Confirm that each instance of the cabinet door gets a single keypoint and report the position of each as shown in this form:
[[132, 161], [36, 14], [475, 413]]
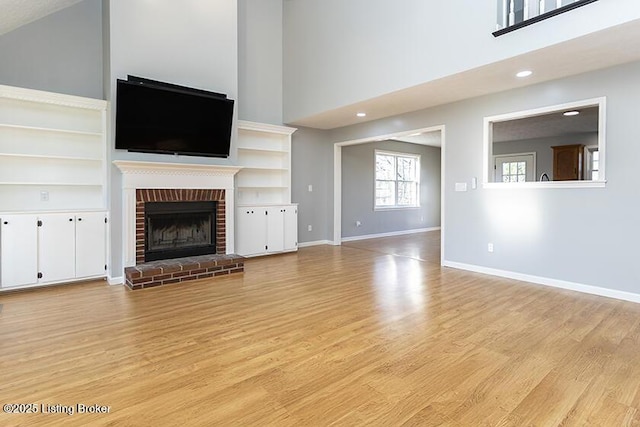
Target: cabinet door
[[56, 247], [567, 162], [290, 228], [18, 250], [251, 234], [91, 247], [275, 229]]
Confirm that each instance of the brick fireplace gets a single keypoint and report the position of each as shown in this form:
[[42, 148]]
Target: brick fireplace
[[144, 196], [146, 182]]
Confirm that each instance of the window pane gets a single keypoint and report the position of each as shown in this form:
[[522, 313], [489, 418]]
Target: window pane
[[521, 178], [505, 178], [522, 167], [513, 168], [385, 167], [406, 169], [407, 194], [505, 169], [594, 175], [596, 155], [385, 193], [397, 180]]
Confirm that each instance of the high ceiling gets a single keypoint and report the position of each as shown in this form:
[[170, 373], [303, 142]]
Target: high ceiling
[[15, 13], [613, 46], [602, 49]]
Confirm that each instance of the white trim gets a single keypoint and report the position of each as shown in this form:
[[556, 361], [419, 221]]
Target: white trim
[[142, 175], [389, 234], [265, 127], [115, 280], [547, 281], [70, 281], [33, 95], [487, 138], [131, 170], [314, 243], [545, 184], [337, 180]]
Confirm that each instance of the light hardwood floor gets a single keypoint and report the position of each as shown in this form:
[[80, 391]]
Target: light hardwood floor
[[370, 333]]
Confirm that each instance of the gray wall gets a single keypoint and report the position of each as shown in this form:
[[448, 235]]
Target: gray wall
[[542, 148], [311, 164], [260, 61], [60, 53], [358, 191], [583, 235]]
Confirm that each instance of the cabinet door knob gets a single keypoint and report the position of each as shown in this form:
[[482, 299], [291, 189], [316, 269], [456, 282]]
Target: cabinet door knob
[[70, 219], [79, 219], [6, 222]]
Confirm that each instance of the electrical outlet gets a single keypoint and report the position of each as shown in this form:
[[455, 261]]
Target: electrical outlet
[[490, 247], [44, 196], [358, 223], [309, 227], [310, 188]]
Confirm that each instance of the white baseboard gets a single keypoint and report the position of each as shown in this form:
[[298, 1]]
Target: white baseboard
[[546, 281], [115, 280], [390, 234], [315, 243]]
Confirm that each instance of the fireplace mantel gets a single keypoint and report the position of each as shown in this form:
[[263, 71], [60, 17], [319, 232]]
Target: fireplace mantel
[[154, 175]]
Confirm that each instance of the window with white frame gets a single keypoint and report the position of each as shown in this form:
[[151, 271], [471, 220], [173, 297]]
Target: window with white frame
[[397, 180], [593, 163]]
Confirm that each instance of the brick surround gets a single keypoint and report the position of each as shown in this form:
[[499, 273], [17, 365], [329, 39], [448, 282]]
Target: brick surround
[[164, 272], [180, 195]]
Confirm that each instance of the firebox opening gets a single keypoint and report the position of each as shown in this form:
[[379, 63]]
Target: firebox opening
[[179, 229]]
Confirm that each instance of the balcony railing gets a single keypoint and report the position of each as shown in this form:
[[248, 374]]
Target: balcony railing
[[514, 14]]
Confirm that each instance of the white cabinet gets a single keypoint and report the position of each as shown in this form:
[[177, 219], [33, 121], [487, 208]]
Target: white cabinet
[[52, 170], [52, 151], [266, 221], [91, 245], [51, 248], [18, 250], [264, 152], [262, 230], [56, 247], [291, 228], [275, 229]]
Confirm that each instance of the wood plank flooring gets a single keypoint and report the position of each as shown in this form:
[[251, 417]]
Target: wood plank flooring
[[373, 332]]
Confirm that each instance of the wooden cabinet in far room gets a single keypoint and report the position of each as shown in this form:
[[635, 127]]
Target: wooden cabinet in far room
[[568, 162]]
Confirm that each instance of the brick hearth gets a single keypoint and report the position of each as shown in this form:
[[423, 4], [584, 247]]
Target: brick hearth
[[179, 270]]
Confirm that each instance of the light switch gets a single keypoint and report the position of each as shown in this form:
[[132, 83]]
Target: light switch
[[474, 183], [461, 186], [310, 188]]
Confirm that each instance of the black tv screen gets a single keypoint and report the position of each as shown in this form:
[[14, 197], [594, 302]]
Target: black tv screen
[[156, 117]]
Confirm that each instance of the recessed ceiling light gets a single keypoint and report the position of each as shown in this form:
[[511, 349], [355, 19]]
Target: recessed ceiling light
[[415, 134], [524, 73], [571, 113], [361, 114]]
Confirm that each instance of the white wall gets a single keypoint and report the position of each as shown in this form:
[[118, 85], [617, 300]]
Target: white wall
[[188, 42], [341, 52]]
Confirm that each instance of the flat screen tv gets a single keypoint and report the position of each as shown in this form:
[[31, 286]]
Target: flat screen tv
[[157, 117]]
